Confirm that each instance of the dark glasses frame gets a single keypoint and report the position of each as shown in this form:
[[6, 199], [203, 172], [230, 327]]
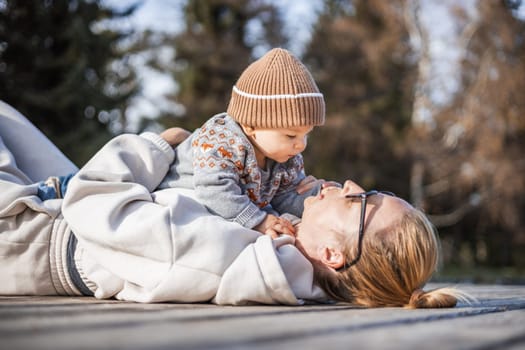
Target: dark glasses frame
[[363, 196]]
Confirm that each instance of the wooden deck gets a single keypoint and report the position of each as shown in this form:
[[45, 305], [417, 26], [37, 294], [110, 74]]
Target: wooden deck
[[495, 321]]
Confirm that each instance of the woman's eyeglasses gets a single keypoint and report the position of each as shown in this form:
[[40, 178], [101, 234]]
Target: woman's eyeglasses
[[363, 196]]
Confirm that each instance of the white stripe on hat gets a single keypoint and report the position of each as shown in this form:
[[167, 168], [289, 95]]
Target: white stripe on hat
[[274, 97]]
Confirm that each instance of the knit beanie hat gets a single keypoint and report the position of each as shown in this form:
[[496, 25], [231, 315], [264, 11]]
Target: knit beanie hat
[[276, 91]]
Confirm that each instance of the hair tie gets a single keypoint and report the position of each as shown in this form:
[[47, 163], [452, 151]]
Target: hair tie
[[416, 294]]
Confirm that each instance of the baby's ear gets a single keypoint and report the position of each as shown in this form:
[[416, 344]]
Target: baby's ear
[[248, 130], [332, 257]]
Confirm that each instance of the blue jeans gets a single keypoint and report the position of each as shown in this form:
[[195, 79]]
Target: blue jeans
[[54, 187]]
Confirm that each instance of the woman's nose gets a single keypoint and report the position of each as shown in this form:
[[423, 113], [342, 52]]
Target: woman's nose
[[351, 187]]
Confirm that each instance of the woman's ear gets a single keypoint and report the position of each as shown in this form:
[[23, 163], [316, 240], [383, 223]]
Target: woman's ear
[[331, 257]]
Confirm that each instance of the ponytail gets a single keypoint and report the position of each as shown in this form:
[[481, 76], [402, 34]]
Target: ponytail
[[437, 298]]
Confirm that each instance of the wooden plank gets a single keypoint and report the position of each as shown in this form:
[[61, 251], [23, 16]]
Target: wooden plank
[[482, 331], [62, 323]]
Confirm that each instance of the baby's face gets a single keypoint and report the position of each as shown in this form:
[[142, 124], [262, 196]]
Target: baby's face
[[280, 144]]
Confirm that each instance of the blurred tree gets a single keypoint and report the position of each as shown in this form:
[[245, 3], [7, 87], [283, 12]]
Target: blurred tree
[[215, 47], [358, 55], [65, 71], [472, 157]]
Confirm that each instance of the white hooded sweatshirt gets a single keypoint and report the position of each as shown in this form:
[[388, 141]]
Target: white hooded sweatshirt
[[141, 244]]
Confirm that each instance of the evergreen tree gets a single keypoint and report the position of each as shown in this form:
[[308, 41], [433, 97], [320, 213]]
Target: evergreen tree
[[64, 70]]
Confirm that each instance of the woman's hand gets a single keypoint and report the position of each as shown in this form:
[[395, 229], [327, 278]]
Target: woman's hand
[[275, 226], [310, 182], [174, 136]]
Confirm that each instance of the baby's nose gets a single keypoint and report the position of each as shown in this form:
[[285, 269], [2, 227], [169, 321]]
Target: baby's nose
[[301, 144]]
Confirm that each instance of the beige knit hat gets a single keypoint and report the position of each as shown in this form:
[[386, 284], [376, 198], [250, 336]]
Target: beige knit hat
[[276, 91]]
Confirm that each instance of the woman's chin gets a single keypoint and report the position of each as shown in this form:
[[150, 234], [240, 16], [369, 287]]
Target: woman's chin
[[308, 201]]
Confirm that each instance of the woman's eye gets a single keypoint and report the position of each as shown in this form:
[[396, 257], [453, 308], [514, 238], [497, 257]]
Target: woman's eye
[[290, 136]]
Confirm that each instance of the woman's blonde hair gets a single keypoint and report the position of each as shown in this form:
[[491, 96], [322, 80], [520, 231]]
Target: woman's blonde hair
[[394, 266]]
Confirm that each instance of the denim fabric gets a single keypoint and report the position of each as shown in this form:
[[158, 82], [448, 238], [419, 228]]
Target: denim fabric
[[46, 191]]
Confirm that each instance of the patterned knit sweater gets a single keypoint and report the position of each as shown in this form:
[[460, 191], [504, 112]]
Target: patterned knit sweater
[[219, 162]]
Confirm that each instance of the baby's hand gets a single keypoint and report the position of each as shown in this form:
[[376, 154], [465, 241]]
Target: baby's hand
[[175, 136], [274, 226], [310, 182]]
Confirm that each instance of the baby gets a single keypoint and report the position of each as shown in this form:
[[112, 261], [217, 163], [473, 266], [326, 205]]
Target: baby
[[246, 165]]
